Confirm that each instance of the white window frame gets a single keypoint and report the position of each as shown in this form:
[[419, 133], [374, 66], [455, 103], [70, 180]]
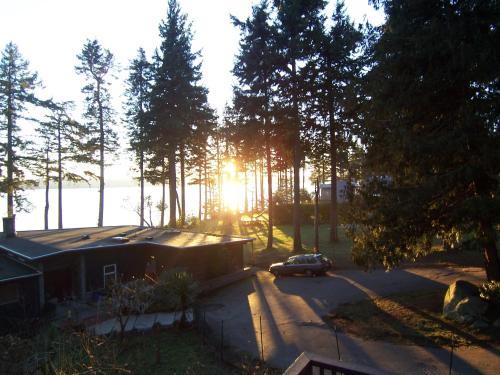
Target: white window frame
[[108, 273]]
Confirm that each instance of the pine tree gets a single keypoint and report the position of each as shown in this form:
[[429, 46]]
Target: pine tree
[[431, 133], [255, 68], [332, 74], [299, 25], [95, 65], [137, 108], [61, 144], [17, 90], [174, 91]]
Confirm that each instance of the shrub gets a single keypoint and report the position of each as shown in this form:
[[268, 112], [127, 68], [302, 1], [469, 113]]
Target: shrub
[[176, 289], [490, 292]]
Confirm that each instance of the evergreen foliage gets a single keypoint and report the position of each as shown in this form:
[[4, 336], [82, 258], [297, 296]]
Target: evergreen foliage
[[431, 132], [298, 24], [332, 75], [175, 93], [95, 65], [255, 68], [17, 91], [137, 107], [61, 143]]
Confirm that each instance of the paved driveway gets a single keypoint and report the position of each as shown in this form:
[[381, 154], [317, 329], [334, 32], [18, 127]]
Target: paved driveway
[[291, 308]]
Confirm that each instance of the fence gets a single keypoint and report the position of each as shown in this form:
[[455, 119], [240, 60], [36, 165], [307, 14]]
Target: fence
[[215, 333]]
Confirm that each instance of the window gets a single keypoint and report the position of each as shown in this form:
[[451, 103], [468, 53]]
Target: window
[[109, 274], [9, 293]]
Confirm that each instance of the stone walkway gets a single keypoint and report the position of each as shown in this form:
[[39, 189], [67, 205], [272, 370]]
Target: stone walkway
[[142, 322]]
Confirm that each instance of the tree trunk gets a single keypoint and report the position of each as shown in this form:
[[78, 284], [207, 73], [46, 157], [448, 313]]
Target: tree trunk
[[162, 205], [245, 206], [285, 182], [206, 187], [219, 174], [304, 176], [262, 199], [270, 205], [183, 186], [490, 252], [172, 182], [256, 185], [297, 240], [59, 177], [316, 215], [199, 194], [333, 179], [47, 187], [10, 157], [100, 219], [141, 178]]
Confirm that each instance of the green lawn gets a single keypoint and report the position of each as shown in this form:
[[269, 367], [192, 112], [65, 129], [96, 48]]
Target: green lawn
[[340, 251], [283, 239]]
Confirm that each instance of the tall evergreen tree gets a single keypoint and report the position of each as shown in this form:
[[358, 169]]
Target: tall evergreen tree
[[255, 68], [137, 108], [175, 77], [61, 142], [299, 25], [17, 90], [432, 133], [333, 73], [95, 65]]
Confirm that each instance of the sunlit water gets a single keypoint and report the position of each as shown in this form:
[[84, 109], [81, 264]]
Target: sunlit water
[[80, 207]]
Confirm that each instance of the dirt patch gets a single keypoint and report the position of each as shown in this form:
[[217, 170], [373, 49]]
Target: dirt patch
[[412, 319]]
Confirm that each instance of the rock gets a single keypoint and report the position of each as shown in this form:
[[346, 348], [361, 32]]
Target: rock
[[468, 310], [456, 292]]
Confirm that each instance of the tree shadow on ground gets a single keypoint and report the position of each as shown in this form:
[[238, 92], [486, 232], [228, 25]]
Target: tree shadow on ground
[[324, 294]]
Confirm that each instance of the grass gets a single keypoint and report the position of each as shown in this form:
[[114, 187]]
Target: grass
[[409, 318], [340, 251], [171, 352], [282, 239]]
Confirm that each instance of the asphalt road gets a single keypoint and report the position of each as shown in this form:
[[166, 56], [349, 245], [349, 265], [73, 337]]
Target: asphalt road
[[290, 309]]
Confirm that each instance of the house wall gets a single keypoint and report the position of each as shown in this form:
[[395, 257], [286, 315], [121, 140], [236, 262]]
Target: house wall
[[28, 303], [206, 262], [130, 263], [63, 273]]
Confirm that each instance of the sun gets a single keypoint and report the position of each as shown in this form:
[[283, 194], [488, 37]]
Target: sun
[[231, 187]]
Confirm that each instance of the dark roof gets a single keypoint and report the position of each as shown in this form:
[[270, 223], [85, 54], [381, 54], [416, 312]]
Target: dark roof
[[40, 244], [11, 269]]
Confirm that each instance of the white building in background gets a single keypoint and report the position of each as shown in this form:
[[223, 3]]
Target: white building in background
[[326, 189]]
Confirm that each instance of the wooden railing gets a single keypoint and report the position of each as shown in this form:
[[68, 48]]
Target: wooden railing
[[313, 364]]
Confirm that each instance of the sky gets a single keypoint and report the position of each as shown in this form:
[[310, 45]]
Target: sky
[[50, 34]]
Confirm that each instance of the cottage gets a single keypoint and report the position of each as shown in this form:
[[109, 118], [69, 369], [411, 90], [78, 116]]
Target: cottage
[[74, 263], [325, 191], [18, 288]]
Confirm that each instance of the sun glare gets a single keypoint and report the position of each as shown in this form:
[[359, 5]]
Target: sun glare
[[231, 188]]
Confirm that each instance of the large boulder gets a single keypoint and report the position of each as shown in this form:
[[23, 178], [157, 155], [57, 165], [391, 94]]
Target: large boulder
[[456, 292], [469, 310]]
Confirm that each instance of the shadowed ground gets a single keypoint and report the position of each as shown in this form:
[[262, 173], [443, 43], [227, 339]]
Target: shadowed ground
[[291, 310]]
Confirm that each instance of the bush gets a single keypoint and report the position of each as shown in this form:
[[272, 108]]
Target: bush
[[490, 292]]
